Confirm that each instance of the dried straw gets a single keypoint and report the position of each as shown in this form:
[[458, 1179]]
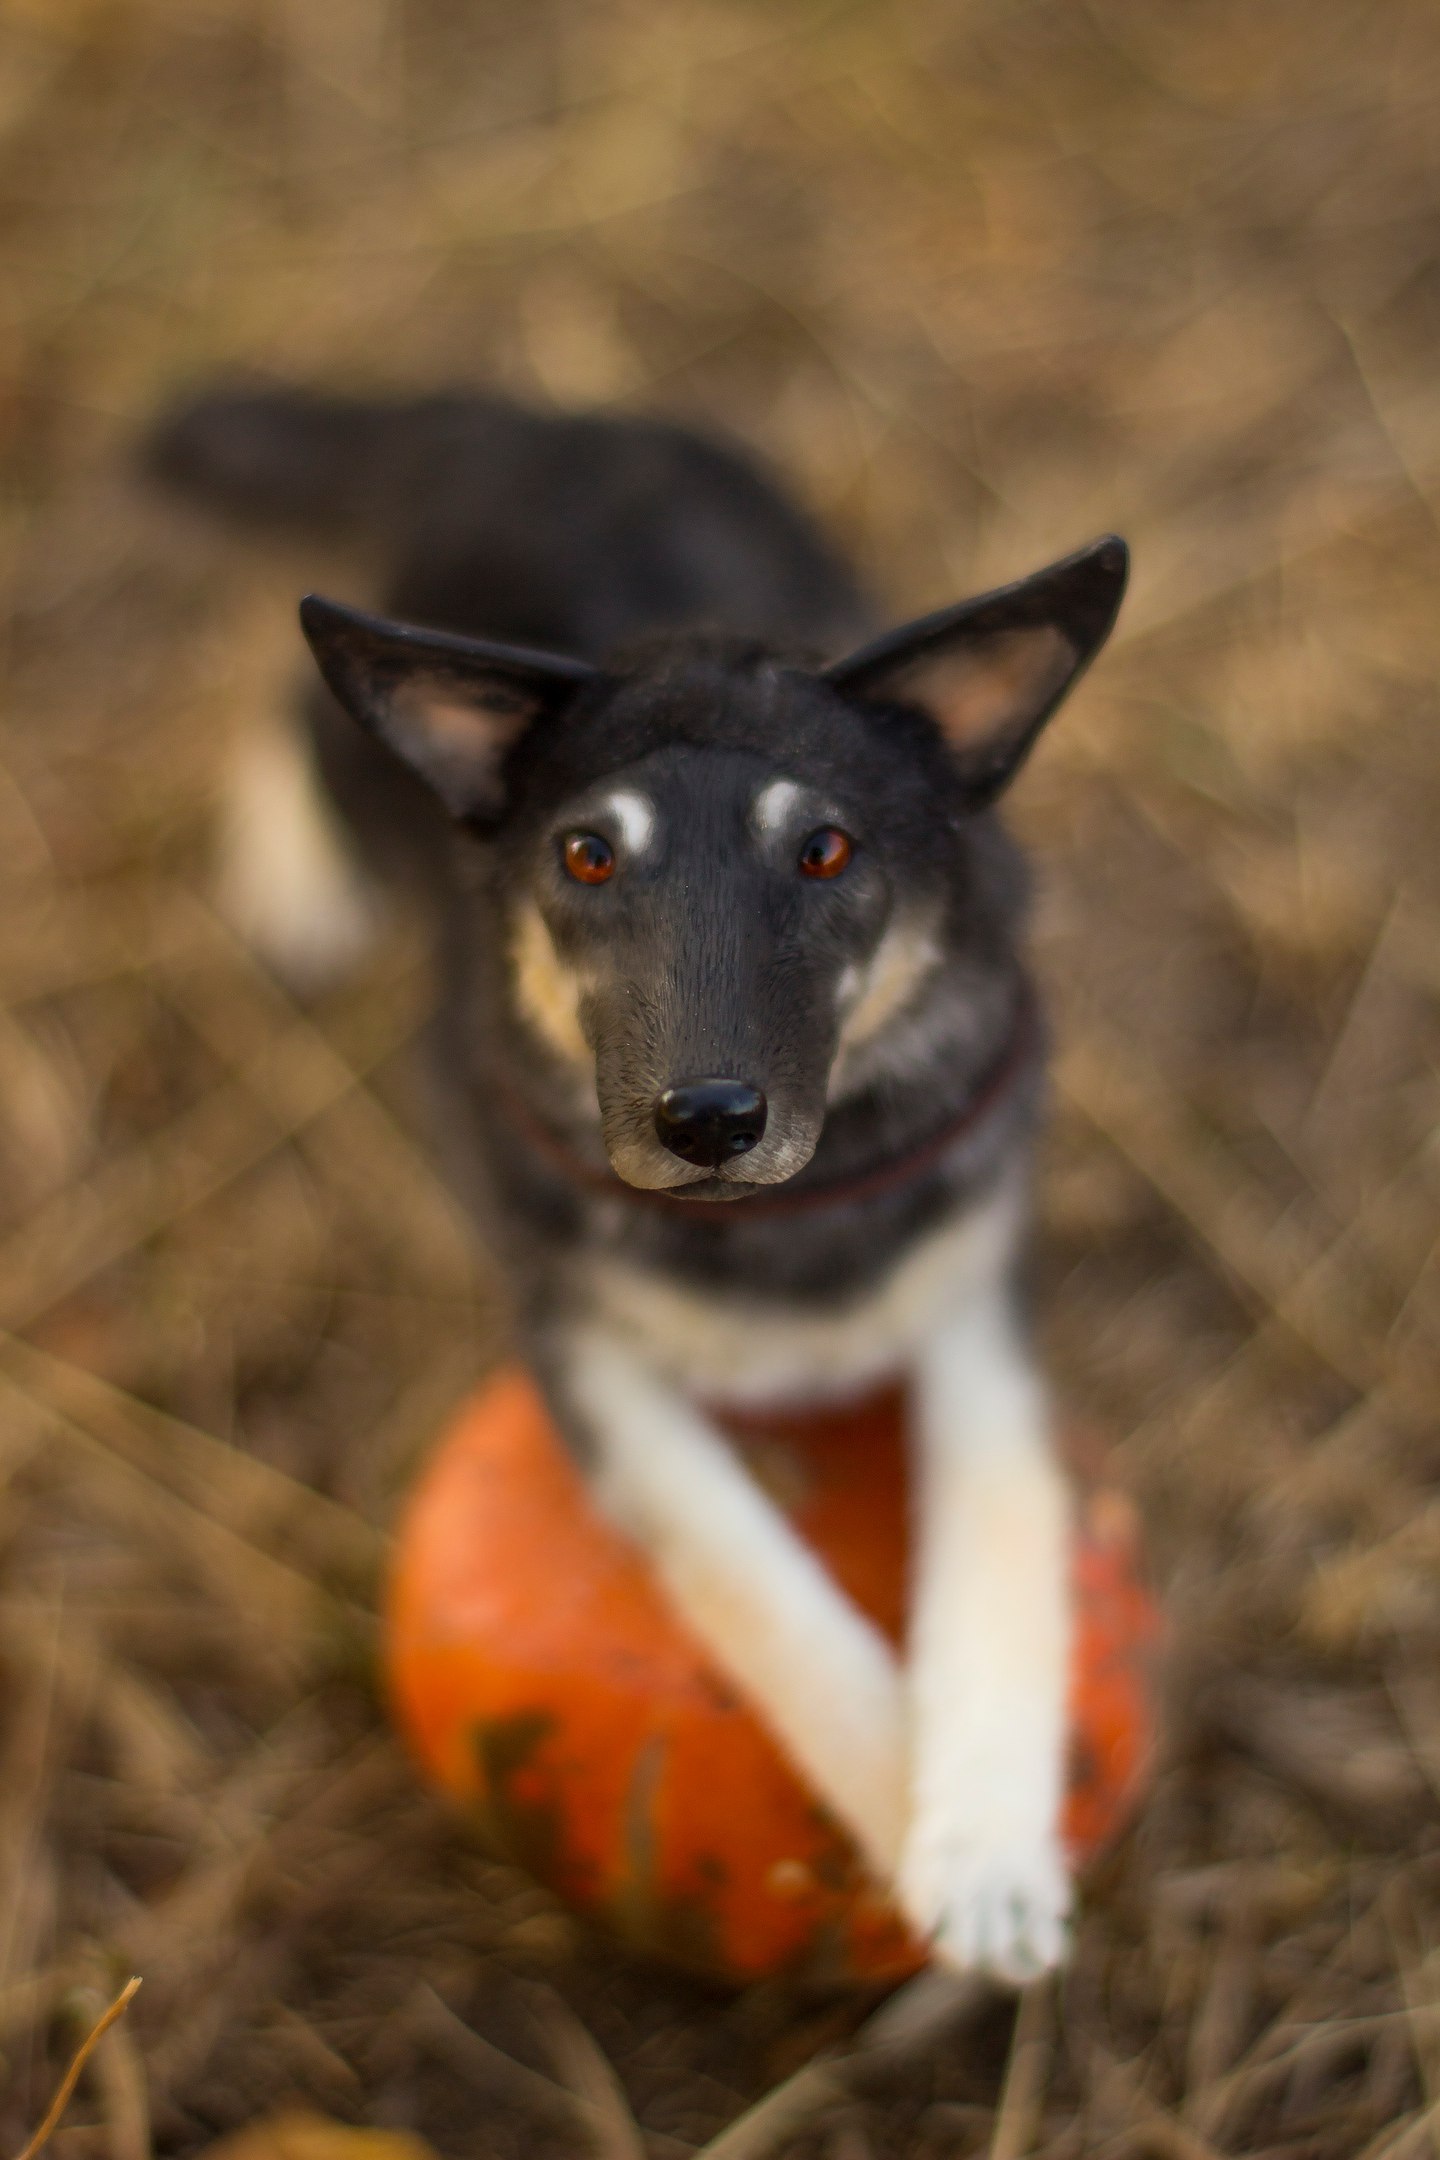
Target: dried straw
[[71, 2079]]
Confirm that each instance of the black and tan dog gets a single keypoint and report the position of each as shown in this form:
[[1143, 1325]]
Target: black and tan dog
[[739, 1054]]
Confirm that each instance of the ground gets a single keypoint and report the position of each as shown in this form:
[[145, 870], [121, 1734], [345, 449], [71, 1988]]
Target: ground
[[985, 278]]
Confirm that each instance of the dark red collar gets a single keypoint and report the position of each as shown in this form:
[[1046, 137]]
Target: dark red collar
[[884, 1177]]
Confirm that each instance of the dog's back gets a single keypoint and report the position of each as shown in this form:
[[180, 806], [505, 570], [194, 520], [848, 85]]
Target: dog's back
[[573, 532]]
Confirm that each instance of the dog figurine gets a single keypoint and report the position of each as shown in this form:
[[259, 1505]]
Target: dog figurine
[[738, 1058]]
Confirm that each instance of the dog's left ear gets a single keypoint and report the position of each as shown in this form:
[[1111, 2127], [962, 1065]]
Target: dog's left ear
[[450, 707], [991, 671]]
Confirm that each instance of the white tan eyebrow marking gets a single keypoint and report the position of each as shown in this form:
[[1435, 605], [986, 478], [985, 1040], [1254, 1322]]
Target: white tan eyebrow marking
[[773, 805], [635, 815]]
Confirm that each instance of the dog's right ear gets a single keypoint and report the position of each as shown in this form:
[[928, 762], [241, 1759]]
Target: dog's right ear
[[449, 706]]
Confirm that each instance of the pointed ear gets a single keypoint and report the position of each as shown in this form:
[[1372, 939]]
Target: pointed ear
[[991, 671], [449, 706]]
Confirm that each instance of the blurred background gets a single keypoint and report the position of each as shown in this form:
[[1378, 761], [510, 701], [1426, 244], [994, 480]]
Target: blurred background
[[984, 277]]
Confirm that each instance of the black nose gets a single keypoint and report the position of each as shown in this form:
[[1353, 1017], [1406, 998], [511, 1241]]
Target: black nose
[[709, 1121]]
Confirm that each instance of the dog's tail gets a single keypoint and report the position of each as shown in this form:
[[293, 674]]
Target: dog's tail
[[283, 458]]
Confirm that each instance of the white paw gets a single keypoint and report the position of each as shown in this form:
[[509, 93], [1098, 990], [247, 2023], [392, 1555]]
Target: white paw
[[985, 1903]]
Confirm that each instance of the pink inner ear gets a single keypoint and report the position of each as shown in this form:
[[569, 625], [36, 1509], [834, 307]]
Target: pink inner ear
[[455, 724], [1001, 682]]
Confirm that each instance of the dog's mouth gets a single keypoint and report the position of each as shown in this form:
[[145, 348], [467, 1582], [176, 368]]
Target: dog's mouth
[[774, 1162], [716, 1188], [648, 1171], [782, 1148]]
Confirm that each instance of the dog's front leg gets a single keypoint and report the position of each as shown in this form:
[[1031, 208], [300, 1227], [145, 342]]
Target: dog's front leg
[[983, 1873], [823, 1678]]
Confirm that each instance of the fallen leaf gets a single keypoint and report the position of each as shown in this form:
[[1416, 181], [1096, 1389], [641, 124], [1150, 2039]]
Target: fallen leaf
[[301, 2134]]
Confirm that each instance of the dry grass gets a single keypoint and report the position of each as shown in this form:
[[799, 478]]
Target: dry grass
[[985, 278]]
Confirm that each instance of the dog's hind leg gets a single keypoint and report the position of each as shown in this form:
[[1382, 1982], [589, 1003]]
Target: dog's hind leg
[[820, 1674], [287, 878]]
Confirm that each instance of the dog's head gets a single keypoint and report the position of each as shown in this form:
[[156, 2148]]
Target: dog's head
[[725, 876]]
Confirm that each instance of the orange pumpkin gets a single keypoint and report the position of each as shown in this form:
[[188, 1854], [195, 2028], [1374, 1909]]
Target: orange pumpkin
[[543, 1680]]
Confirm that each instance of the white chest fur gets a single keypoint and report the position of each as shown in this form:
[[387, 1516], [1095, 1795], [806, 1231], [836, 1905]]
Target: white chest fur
[[727, 1349]]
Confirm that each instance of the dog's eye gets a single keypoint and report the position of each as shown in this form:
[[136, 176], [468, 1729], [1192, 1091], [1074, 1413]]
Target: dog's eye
[[826, 852], [588, 858]]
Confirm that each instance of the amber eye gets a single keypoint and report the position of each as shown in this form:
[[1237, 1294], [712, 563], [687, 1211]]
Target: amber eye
[[826, 852], [588, 858]]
